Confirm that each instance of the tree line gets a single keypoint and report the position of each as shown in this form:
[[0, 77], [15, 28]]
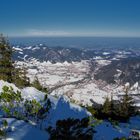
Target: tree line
[[11, 74], [117, 110]]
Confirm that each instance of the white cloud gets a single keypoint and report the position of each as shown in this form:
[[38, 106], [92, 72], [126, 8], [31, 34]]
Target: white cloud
[[57, 33], [35, 32]]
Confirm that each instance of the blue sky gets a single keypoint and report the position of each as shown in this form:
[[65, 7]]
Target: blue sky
[[70, 17]]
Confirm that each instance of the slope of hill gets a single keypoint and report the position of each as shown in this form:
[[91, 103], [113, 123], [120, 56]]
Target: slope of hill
[[20, 130], [61, 109]]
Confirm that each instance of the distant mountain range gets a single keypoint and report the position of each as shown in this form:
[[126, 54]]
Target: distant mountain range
[[54, 54], [124, 66], [61, 54]]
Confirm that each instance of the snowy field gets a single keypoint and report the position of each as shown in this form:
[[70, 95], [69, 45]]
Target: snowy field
[[51, 75], [76, 81]]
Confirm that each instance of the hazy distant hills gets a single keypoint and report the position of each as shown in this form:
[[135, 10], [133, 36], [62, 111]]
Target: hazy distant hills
[[61, 54], [54, 54]]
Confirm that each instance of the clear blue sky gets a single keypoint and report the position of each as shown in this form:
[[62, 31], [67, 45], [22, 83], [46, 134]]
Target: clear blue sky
[[70, 17]]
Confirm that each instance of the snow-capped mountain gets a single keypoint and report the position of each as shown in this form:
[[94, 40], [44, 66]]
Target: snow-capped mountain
[[42, 52]]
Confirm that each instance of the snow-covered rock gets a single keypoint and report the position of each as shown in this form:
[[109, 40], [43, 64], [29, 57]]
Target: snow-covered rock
[[17, 49], [31, 93], [106, 53], [63, 109], [135, 86]]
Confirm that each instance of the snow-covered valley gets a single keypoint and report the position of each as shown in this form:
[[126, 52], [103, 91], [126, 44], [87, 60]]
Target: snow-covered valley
[[74, 87], [76, 81]]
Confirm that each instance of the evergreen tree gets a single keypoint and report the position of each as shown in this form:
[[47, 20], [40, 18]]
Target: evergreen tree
[[5, 124], [107, 107], [7, 71], [35, 107], [109, 110], [37, 84], [120, 110], [127, 107], [20, 79], [32, 108], [6, 67], [71, 129]]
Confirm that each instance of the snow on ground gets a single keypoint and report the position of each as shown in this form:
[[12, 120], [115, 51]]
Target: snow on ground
[[88, 93], [3, 83], [51, 75], [24, 131], [63, 109], [106, 53], [31, 93], [97, 58], [24, 58], [103, 62], [28, 48], [17, 48], [85, 93], [20, 52], [105, 131], [33, 71], [62, 76], [28, 93], [120, 56]]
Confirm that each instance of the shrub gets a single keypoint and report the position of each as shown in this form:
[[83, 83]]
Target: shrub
[[71, 129]]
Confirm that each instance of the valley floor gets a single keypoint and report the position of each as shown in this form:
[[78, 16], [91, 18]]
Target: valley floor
[[76, 81]]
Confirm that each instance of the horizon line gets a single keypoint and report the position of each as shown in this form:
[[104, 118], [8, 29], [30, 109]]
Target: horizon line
[[76, 36]]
